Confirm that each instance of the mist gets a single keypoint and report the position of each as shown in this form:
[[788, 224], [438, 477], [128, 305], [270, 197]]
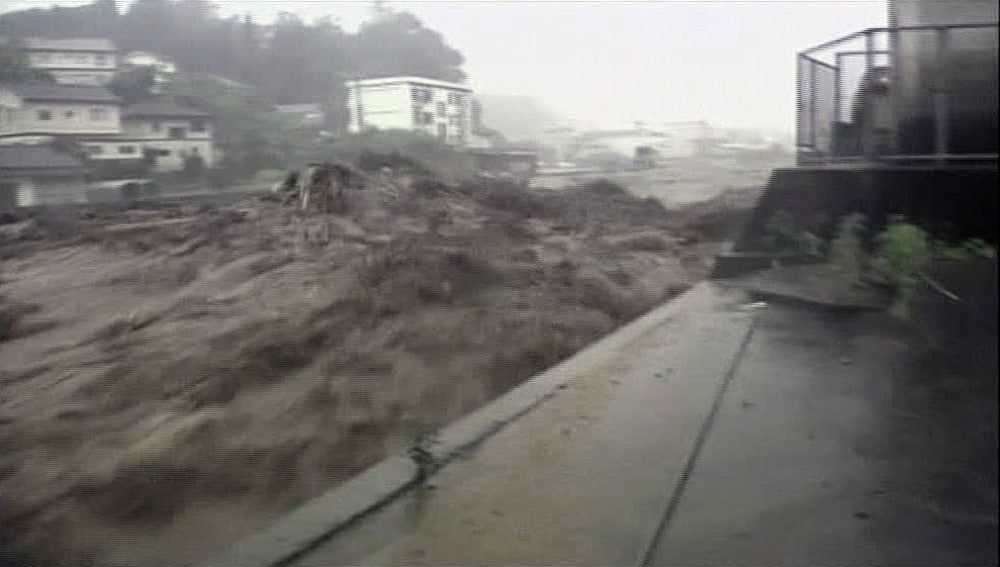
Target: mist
[[609, 64]]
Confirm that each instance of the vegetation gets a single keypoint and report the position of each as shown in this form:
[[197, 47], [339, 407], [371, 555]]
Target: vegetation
[[14, 66], [903, 251], [784, 236], [288, 62], [846, 256]]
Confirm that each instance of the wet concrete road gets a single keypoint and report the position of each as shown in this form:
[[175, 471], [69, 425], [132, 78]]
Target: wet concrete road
[[582, 479], [831, 446]]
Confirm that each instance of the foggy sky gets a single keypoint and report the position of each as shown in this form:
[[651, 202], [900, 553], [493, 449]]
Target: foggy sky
[[607, 64]]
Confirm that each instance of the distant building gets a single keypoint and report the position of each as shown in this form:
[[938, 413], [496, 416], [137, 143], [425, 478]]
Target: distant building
[[94, 118], [39, 174], [163, 130], [163, 69], [74, 61], [31, 111], [439, 108]]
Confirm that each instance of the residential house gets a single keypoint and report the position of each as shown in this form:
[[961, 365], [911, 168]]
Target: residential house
[[163, 69], [39, 174], [164, 130], [439, 108], [74, 61], [34, 112]]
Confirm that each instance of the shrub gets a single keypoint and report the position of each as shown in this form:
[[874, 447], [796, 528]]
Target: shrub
[[904, 249], [784, 236], [847, 255]]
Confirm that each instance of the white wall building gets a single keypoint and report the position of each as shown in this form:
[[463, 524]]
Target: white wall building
[[76, 61], [164, 130], [439, 108], [92, 116], [30, 111]]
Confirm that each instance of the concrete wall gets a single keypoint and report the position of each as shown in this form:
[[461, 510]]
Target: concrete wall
[[32, 191], [77, 118], [170, 154], [956, 201]]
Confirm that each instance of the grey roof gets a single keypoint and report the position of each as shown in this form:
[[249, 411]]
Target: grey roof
[[56, 92], [297, 108], [24, 156], [69, 44], [163, 109]]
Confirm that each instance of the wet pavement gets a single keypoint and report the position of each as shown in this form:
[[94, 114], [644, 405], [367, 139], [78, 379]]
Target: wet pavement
[[839, 438]]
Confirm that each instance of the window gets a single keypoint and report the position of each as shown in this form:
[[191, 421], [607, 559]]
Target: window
[[95, 150], [198, 125], [163, 153], [81, 58], [44, 114], [428, 118], [68, 114], [44, 57], [126, 150], [101, 60], [98, 114], [176, 133], [440, 109], [155, 126], [421, 96]]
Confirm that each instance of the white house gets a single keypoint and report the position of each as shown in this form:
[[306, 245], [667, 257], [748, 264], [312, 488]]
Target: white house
[[165, 130], [36, 113], [163, 69], [33, 111], [75, 61], [438, 108]]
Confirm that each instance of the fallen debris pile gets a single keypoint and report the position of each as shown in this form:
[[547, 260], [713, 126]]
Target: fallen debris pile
[[179, 375]]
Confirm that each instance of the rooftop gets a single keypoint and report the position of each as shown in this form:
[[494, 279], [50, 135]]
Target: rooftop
[[69, 44], [423, 81], [24, 156], [162, 109], [57, 92]]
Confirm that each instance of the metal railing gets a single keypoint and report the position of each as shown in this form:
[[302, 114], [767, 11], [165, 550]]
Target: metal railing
[[901, 94]]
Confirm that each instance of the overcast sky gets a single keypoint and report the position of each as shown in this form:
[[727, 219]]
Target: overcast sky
[[609, 63]]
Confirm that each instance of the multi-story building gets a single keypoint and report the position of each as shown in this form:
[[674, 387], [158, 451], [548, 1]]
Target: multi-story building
[[76, 61], [33, 111], [439, 108], [94, 118], [163, 130]]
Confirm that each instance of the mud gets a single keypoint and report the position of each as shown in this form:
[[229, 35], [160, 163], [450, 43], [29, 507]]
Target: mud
[[175, 376]]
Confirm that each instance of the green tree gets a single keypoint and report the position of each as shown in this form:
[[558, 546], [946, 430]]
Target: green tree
[[134, 84], [14, 67]]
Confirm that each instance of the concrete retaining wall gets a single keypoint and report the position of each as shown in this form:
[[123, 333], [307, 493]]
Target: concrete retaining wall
[[953, 201]]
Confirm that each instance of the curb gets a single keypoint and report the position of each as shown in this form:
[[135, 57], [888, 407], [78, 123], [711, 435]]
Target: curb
[[322, 517]]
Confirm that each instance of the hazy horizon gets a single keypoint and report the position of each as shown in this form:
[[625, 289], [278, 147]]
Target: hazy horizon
[[607, 64]]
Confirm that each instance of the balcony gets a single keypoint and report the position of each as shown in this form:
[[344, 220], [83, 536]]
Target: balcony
[[899, 95]]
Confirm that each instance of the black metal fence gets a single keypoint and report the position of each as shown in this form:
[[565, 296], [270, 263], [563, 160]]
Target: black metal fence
[[904, 93]]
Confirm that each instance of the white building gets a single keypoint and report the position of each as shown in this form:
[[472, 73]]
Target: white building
[[164, 130], [36, 111], [76, 61], [439, 108], [93, 117], [163, 69]]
